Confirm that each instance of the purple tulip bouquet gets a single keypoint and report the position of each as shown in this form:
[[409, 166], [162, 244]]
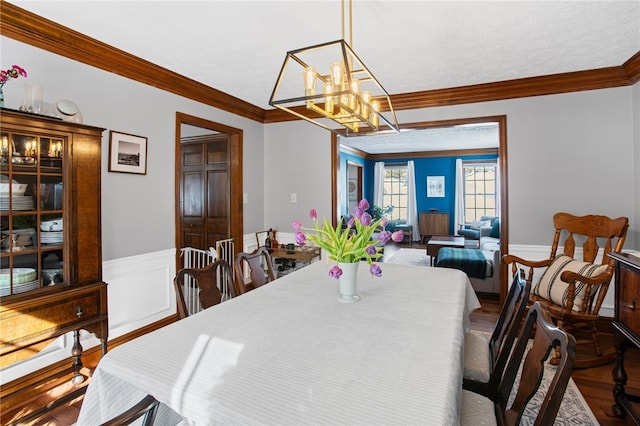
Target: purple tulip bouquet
[[351, 243]]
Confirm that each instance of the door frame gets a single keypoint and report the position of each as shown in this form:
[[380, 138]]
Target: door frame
[[236, 215]]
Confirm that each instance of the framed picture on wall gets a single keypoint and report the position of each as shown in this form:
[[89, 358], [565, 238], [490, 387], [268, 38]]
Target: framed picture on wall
[[435, 186], [127, 153]]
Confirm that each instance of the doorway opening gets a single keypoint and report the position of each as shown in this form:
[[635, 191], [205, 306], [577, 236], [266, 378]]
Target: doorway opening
[[208, 183], [500, 149]]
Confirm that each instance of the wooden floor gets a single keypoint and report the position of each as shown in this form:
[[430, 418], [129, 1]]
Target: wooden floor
[[595, 384]]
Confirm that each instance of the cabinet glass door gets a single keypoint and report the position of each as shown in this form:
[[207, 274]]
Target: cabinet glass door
[[32, 211]]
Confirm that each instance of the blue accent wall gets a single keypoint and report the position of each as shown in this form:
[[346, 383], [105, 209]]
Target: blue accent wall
[[431, 166]]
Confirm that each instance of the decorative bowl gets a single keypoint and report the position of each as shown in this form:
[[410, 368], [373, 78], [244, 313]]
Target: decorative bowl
[[51, 225]]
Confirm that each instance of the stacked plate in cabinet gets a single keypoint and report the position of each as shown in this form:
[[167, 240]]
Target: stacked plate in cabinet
[[51, 237], [20, 202], [51, 231], [24, 279], [14, 191]]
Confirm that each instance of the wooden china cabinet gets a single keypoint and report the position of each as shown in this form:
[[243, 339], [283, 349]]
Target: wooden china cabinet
[[51, 256]]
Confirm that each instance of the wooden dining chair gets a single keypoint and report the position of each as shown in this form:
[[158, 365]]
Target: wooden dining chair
[[485, 358], [478, 409], [573, 290], [258, 264], [145, 409], [201, 288]]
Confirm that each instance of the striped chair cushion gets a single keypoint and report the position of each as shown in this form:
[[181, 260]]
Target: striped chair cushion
[[552, 288]]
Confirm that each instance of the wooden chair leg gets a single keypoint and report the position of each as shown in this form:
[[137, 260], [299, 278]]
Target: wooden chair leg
[[594, 336]]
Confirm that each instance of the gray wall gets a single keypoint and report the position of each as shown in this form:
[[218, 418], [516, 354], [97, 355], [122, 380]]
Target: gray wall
[[577, 152]]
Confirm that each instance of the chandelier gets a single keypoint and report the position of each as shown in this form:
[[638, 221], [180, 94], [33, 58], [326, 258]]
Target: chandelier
[[328, 82]]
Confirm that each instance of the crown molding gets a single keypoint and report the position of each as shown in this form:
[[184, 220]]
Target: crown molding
[[27, 27], [632, 68], [431, 154]]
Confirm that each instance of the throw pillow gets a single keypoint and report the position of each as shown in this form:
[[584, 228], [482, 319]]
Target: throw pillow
[[495, 229], [477, 224], [552, 288]]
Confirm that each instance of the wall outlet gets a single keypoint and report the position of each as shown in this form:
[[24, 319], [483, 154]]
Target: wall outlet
[[245, 198], [294, 197]]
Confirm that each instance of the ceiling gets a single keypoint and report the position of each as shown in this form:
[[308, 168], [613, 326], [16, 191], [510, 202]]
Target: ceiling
[[239, 46]]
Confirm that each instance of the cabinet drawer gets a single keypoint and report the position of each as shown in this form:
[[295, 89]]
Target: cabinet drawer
[[629, 301], [19, 327]]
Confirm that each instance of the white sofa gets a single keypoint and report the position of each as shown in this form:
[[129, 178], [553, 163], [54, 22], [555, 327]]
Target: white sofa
[[491, 284], [489, 243]]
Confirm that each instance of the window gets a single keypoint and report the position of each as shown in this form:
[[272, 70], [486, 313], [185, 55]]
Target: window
[[395, 191], [480, 190]]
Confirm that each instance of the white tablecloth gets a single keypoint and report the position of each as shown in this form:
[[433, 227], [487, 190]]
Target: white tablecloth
[[290, 353]]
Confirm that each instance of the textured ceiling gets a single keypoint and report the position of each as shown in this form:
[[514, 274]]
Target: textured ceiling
[[467, 136], [239, 46]]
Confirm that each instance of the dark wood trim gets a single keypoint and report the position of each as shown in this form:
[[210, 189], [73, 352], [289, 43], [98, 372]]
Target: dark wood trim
[[428, 154], [518, 88], [632, 67], [504, 205], [37, 31]]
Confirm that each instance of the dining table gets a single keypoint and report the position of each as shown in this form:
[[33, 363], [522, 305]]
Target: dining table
[[290, 353]]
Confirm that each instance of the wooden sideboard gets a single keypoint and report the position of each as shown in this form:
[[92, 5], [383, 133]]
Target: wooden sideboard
[[433, 223], [626, 326]]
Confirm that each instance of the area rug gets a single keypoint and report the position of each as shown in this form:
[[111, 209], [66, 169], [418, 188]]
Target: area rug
[[407, 256], [574, 410]]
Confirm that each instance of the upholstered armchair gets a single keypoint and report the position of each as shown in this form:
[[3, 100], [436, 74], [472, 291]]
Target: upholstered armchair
[[485, 227]]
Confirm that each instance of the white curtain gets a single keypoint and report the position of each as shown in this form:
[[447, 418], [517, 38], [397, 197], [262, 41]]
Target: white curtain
[[458, 214], [378, 184], [412, 204]]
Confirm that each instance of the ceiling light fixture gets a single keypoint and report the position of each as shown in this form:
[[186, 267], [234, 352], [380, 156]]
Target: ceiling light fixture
[[346, 93]]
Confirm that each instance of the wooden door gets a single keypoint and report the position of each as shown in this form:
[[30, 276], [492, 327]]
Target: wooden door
[[205, 191]]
